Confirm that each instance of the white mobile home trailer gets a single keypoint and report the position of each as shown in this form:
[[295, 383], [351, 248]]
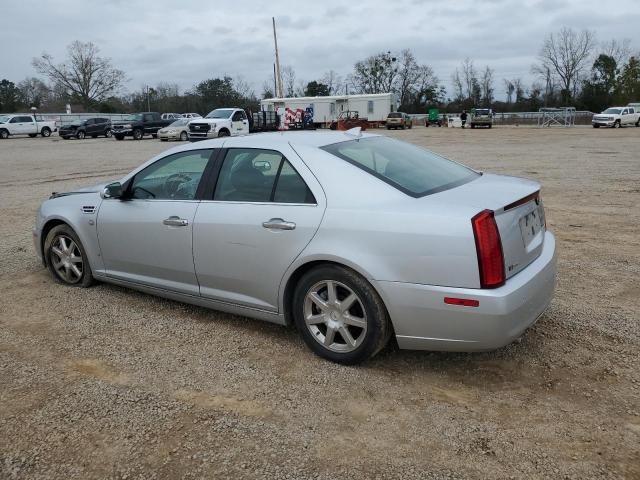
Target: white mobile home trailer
[[374, 107]]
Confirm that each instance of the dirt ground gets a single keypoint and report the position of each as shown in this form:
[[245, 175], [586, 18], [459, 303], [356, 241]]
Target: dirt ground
[[110, 383]]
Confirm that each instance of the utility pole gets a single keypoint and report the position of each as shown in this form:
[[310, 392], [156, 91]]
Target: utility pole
[[275, 82], [148, 103], [278, 76]]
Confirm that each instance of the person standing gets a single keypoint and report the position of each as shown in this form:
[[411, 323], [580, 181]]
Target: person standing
[[463, 117]]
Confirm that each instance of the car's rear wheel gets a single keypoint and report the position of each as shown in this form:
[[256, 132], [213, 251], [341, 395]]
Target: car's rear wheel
[[108, 133], [339, 315], [66, 258], [184, 137], [45, 132]]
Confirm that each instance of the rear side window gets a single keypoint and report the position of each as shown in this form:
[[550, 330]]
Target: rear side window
[[412, 170], [255, 175]]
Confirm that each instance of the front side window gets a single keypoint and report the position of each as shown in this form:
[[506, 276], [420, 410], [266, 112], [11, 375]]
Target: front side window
[[255, 175], [174, 177], [238, 116], [410, 169]]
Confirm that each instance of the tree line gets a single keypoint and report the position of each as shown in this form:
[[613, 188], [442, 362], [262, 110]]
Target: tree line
[[572, 69]]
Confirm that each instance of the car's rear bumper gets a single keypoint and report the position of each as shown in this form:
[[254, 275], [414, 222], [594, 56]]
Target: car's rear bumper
[[422, 321]]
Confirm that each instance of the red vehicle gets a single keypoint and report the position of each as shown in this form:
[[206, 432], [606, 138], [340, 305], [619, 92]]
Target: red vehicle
[[347, 120]]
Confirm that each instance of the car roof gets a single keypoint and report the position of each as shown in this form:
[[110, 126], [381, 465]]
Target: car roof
[[273, 139]]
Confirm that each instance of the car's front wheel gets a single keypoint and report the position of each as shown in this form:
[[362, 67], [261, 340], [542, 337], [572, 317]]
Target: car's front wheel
[[138, 134], [108, 133], [80, 134], [339, 315], [66, 258], [183, 136]]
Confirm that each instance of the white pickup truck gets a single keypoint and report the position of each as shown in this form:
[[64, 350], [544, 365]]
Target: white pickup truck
[[617, 117], [221, 122], [20, 124]]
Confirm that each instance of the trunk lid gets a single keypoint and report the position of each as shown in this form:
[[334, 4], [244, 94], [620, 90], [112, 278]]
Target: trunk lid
[[518, 212]]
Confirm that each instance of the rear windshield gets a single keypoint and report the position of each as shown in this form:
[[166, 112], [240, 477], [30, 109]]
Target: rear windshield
[[482, 112], [412, 170], [394, 115]]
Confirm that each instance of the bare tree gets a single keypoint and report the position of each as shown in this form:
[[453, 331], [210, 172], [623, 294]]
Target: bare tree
[[375, 74], [288, 80], [33, 92], [458, 90], [268, 89], [408, 71], [509, 89], [518, 88], [333, 81], [619, 51], [85, 74], [566, 54], [469, 77], [486, 83]]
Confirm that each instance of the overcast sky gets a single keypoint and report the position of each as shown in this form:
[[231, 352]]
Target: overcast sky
[[187, 41]]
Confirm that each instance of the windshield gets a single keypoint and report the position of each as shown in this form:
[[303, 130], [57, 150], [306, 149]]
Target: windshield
[[180, 123], [220, 113], [412, 170], [4, 118], [613, 111], [134, 117]]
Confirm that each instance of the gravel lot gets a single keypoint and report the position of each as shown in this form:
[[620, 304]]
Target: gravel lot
[[111, 383]]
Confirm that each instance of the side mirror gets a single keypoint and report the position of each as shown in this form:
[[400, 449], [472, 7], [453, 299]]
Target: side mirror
[[113, 190]]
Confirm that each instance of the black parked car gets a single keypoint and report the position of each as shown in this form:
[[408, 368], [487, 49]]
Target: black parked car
[[91, 127], [137, 125]]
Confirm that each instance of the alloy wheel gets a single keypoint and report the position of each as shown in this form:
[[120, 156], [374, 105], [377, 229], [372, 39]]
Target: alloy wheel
[[66, 259], [335, 316]]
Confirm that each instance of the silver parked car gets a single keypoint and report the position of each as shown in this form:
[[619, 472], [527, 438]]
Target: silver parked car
[[178, 130], [354, 238]]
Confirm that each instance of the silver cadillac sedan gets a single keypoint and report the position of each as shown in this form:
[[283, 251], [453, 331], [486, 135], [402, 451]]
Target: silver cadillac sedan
[[354, 238]]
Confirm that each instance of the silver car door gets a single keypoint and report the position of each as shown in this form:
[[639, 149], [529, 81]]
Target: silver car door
[[266, 208], [147, 237]]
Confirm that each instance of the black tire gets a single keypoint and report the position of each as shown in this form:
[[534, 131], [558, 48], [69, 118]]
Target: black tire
[[65, 231], [33, 135], [223, 133], [65, 137], [45, 132], [108, 133], [80, 135], [138, 134], [164, 139], [617, 124], [94, 136], [119, 137], [4, 134], [154, 135], [490, 125], [378, 330], [388, 128], [184, 136], [596, 126], [410, 126], [473, 125], [637, 123]]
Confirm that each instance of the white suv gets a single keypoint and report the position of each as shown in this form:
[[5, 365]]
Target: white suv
[[617, 117], [221, 122]]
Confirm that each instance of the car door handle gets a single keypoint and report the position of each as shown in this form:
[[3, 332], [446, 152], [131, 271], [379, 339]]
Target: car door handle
[[174, 221], [279, 224]]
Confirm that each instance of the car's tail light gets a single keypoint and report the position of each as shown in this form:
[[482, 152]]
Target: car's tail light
[[489, 250]]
